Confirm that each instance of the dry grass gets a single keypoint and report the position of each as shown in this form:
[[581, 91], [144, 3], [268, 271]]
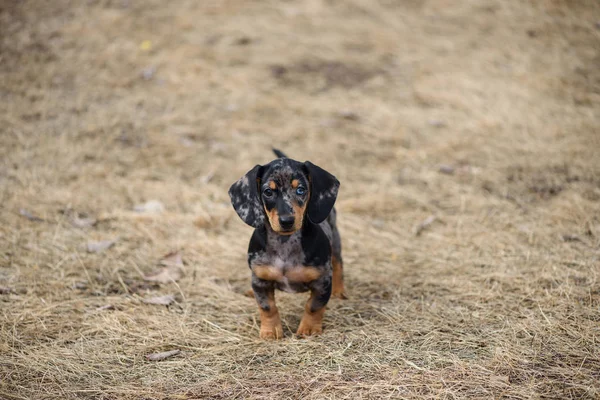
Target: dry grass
[[497, 298]]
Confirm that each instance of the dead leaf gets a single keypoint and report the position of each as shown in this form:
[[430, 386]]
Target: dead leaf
[[186, 141], [163, 355], [80, 285], [423, 225], [165, 275], [84, 222], [151, 207], [349, 115], [148, 72], [78, 219], [173, 258], [5, 290], [208, 177], [173, 269], [243, 41], [446, 169], [105, 307], [30, 216], [204, 221], [437, 123], [378, 223], [98, 247], [568, 237], [160, 300], [468, 170]]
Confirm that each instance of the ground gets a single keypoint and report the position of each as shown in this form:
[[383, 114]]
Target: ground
[[465, 135]]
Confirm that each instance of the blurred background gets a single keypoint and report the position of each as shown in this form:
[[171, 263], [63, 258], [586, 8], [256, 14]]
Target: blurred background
[[465, 135]]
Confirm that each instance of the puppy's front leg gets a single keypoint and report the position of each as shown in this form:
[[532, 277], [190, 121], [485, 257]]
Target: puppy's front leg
[[270, 323], [312, 321]]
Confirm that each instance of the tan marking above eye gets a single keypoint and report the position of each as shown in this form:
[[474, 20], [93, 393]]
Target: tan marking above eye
[[295, 183], [272, 185]]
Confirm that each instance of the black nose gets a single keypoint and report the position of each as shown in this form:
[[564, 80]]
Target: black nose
[[286, 221]]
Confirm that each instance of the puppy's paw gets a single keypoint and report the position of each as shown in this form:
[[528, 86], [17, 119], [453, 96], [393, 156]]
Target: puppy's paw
[[309, 329], [271, 332], [341, 294]]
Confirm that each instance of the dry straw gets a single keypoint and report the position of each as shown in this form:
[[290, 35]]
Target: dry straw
[[465, 135]]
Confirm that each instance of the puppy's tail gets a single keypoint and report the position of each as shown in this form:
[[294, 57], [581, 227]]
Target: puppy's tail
[[279, 153]]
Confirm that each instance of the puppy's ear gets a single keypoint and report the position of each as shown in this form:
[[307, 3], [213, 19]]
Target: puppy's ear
[[245, 200], [323, 192]]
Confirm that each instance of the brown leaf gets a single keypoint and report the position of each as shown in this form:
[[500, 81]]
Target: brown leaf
[[30, 216], [5, 290], [163, 355], [160, 300], [173, 269], [173, 258], [98, 247]]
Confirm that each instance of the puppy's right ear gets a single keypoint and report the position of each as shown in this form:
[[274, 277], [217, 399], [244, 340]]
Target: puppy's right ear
[[245, 200]]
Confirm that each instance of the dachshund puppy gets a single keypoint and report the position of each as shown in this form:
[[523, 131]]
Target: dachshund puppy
[[296, 246]]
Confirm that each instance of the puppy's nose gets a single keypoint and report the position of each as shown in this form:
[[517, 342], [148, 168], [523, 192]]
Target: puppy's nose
[[286, 221]]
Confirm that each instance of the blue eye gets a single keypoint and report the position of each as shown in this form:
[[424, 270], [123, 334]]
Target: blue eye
[[300, 191]]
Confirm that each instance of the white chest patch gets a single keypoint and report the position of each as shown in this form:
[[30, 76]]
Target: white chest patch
[[278, 263]]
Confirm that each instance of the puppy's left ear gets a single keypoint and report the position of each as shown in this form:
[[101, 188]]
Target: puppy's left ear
[[323, 192], [245, 200]]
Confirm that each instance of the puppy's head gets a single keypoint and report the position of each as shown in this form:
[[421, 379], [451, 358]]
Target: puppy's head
[[283, 192]]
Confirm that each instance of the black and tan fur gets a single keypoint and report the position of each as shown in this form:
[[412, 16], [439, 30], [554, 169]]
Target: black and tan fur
[[296, 246]]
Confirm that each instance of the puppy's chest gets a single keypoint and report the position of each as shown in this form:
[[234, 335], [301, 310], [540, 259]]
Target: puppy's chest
[[281, 255], [283, 262]]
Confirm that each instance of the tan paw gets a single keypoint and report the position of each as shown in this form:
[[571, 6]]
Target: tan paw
[[271, 332], [339, 295], [306, 329]]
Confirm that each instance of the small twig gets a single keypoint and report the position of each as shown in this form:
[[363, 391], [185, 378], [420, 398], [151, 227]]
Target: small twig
[[544, 315], [25, 213], [423, 225]]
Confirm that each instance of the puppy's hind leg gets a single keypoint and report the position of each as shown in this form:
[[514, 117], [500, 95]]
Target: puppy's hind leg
[[338, 290], [336, 260]]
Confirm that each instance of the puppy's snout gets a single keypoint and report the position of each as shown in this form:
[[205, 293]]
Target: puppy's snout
[[286, 221]]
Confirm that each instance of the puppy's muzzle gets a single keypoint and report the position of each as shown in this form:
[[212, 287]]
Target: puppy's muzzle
[[286, 222]]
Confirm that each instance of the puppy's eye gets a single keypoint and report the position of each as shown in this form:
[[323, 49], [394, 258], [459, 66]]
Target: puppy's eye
[[300, 191], [268, 193]]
